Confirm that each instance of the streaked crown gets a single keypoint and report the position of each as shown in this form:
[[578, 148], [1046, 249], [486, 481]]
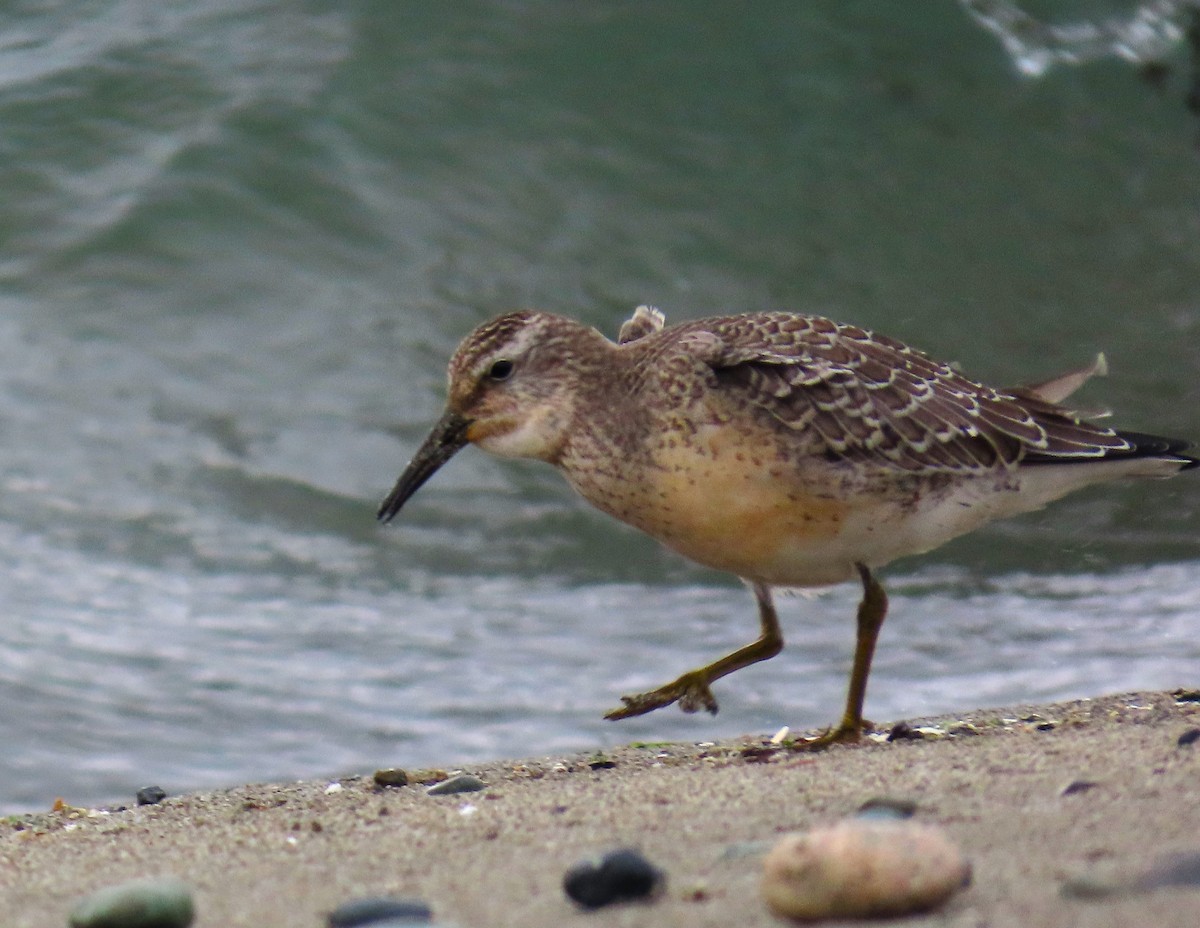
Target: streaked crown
[[516, 378]]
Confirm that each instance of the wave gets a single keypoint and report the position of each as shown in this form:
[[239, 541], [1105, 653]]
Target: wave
[[1146, 35]]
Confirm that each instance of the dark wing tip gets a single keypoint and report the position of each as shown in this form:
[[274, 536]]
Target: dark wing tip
[[1158, 446]]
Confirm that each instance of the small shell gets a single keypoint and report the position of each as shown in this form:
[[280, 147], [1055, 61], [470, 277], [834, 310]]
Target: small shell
[[862, 867]]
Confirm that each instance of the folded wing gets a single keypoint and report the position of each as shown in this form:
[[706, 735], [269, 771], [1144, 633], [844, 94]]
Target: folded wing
[[871, 398]]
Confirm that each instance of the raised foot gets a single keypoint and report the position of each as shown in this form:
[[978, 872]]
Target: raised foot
[[691, 691]]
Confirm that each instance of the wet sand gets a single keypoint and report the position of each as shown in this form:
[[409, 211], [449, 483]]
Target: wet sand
[[1035, 796]]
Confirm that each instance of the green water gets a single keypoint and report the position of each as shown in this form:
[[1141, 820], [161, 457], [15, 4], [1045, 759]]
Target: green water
[[240, 240]]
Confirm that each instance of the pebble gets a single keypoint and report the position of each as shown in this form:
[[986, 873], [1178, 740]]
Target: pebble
[[1191, 736], [887, 807], [463, 783], [862, 867], [151, 795], [618, 876], [402, 922], [1176, 870], [745, 849], [392, 776], [902, 731], [161, 902], [1091, 886], [378, 912], [1078, 786]]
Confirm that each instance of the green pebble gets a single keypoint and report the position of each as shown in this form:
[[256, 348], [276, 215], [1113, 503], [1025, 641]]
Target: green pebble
[[161, 902]]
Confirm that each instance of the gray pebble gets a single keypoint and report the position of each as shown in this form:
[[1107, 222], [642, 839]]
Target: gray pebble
[[406, 923], [1191, 736], [161, 902], [887, 807], [1078, 786], [380, 912], [1093, 886], [1176, 870], [463, 783]]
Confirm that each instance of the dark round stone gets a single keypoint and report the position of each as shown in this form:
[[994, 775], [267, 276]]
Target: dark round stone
[[151, 795], [902, 731], [619, 875], [1191, 736], [361, 912]]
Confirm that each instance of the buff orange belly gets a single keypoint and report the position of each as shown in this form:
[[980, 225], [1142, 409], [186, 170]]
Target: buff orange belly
[[746, 519]]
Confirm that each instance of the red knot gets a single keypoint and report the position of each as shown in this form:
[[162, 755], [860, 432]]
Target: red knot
[[787, 449]]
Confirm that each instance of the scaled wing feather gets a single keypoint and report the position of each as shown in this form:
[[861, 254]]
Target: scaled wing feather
[[871, 398]]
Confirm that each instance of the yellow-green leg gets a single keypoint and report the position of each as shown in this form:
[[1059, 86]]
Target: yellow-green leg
[[871, 613], [691, 690]]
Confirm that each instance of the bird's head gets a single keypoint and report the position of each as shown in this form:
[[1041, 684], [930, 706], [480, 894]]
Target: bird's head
[[513, 383]]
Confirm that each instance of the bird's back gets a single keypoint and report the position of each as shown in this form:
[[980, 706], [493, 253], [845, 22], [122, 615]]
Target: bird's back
[[786, 447]]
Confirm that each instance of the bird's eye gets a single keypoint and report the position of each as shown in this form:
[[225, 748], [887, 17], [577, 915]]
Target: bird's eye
[[501, 370]]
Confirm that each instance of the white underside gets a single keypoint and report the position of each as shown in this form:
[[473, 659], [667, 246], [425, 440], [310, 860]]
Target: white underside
[[876, 536]]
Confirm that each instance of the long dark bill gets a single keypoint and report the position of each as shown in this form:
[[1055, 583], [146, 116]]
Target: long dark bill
[[446, 439]]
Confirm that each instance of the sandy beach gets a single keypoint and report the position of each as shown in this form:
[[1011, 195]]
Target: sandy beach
[[1037, 796]]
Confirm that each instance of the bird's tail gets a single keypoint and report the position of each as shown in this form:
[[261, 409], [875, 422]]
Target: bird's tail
[[1156, 447]]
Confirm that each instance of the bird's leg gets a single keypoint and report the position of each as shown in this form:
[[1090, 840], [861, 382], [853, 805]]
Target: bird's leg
[[691, 690], [871, 613]]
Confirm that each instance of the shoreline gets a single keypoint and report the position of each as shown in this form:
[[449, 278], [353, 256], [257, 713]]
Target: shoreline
[[1034, 795]]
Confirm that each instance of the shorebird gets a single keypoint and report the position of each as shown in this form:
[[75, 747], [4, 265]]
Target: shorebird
[[790, 450]]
